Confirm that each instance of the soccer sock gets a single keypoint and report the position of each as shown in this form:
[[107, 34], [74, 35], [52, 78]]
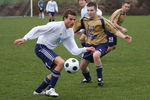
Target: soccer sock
[[87, 76], [43, 85], [53, 20], [99, 70], [49, 20], [55, 76]]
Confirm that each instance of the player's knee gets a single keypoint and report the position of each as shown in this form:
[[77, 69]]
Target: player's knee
[[61, 63], [96, 55]]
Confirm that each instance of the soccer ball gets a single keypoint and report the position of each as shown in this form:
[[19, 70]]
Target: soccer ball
[[71, 65]]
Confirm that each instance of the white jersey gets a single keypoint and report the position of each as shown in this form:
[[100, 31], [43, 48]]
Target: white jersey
[[84, 12], [54, 33], [52, 6]]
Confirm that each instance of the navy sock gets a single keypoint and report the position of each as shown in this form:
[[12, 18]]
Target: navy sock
[[43, 85], [87, 76], [99, 70], [55, 76]]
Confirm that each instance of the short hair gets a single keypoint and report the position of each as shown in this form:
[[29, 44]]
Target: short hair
[[84, 0], [69, 12], [128, 2], [90, 4]]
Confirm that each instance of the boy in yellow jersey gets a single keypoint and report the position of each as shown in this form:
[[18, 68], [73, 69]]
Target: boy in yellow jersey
[[96, 37], [117, 19]]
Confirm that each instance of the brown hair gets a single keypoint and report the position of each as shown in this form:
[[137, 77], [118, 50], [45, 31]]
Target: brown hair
[[69, 12], [90, 4]]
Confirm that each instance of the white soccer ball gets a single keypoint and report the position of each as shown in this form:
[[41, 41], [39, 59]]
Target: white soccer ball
[[71, 65]]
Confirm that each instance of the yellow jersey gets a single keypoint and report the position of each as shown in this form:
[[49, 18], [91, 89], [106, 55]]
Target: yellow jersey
[[118, 17], [95, 29]]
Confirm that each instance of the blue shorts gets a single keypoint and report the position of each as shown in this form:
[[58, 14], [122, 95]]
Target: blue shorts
[[101, 48], [111, 38], [51, 13], [46, 55]]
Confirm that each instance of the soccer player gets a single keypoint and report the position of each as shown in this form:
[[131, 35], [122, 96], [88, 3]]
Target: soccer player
[[41, 8], [117, 19], [83, 4], [96, 37], [51, 9], [50, 36]]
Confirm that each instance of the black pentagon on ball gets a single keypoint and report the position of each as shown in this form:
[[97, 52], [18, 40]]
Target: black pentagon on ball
[[67, 64], [73, 60], [75, 68], [68, 71]]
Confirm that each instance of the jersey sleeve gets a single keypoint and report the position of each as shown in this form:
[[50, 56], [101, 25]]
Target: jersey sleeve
[[38, 30], [72, 47], [110, 27], [115, 17]]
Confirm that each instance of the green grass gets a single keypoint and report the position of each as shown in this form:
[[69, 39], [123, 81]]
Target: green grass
[[126, 70]]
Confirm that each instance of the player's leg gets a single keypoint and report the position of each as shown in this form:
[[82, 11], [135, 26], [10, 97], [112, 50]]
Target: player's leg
[[47, 56], [100, 50], [86, 59], [99, 67], [50, 16], [53, 16], [55, 76]]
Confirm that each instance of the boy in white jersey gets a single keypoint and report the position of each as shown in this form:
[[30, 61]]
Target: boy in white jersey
[[50, 36], [51, 9]]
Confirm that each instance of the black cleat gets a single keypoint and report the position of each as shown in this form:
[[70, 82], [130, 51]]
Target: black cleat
[[86, 81], [100, 82]]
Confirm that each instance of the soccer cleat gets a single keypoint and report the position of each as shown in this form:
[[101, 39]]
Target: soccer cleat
[[100, 82], [86, 81], [51, 92], [41, 93]]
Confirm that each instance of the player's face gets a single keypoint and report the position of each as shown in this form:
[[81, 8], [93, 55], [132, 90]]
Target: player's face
[[91, 11], [126, 7], [82, 3], [70, 21]]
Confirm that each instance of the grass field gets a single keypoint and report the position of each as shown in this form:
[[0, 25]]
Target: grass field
[[126, 70]]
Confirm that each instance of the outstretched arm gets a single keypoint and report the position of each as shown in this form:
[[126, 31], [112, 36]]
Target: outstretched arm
[[123, 36], [19, 41]]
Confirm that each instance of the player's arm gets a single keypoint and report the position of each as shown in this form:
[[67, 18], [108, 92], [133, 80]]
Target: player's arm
[[110, 27], [114, 18], [35, 33], [72, 47], [124, 30]]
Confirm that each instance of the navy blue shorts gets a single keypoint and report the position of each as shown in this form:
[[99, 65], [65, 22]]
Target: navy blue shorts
[[101, 48], [111, 38], [51, 13], [46, 55]]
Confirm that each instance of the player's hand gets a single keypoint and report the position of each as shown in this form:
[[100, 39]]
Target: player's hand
[[128, 38], [90, 49], [124, 30], [19, 41], [78, 33]]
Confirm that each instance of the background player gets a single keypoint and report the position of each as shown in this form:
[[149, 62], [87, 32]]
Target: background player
[[51, 9], [117, 18], [41, 8]]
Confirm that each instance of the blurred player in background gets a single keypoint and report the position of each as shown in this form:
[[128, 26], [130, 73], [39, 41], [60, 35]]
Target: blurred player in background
[[50, 36], [96, 37], [117, 18], [51, 9], [41, 8]]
